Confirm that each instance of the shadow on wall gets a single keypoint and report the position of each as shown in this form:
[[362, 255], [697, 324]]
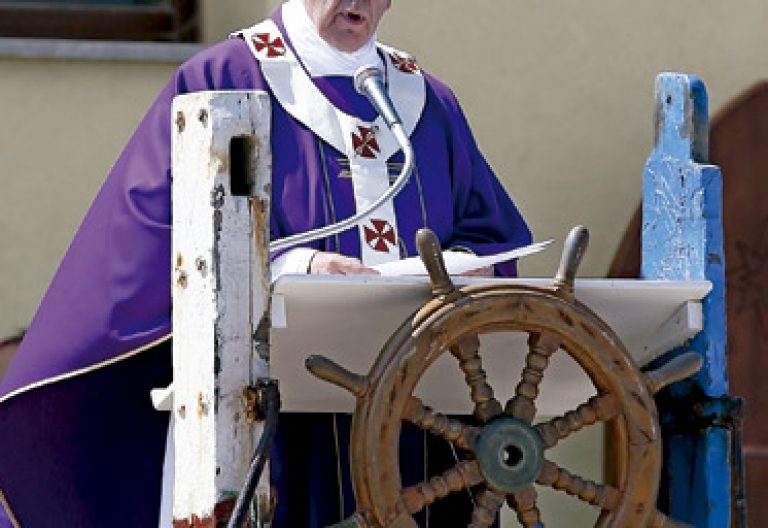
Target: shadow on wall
[[8, 348]]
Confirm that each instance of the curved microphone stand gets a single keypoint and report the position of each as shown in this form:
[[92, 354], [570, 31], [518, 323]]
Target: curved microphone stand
[[368, 82]]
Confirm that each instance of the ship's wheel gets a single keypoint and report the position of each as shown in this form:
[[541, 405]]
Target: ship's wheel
[[505, 450]]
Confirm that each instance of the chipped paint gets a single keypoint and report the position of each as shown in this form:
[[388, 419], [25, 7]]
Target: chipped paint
[[202, 405], [195, 522], [201, 265]]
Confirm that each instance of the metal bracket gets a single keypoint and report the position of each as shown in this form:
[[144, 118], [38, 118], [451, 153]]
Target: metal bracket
[[698, 413], [681, 326], [256, 400]]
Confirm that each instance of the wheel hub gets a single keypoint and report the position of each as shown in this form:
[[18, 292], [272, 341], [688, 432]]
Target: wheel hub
[[510, 454]]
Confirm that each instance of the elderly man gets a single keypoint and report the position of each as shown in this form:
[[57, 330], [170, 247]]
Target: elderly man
[[81, 444]]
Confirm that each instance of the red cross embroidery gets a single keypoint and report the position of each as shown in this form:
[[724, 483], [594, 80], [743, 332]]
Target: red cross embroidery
[[275, 48], [381, 237], [365, 144], [404, 64]]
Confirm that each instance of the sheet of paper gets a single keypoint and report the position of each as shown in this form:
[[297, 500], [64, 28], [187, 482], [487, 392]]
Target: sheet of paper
[[457, 262]]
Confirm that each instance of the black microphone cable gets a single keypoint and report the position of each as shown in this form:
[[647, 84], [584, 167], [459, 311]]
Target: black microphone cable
[[261, 455]]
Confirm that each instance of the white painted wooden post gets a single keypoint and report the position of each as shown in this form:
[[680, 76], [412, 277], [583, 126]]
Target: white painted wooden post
[[221, 181]]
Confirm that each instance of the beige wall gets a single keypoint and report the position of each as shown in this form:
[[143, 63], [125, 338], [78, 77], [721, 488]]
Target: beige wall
[[63, 125], [559, 94], [225, 16]]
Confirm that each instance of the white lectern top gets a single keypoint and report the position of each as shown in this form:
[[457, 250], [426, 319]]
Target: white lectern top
[[348, 319]]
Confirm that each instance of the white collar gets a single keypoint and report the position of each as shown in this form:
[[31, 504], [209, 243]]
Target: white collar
[[320, 58]]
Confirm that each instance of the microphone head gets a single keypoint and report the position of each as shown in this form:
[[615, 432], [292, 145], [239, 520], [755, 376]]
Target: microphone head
[[363, 74]]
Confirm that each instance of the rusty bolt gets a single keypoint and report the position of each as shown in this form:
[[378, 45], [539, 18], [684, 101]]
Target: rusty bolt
[[181, 122], [202, 405], [256, 400], [181, 275], [252, 405]]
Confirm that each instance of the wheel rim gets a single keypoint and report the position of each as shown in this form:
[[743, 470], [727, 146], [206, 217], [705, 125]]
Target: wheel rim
[[623, 401]]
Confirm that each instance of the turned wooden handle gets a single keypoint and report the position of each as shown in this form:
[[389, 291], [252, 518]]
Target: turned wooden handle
[[332, 372], [573, 251], [431, 255], [679, 368]]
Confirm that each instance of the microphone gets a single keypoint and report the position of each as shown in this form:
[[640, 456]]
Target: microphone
[[369, 81]]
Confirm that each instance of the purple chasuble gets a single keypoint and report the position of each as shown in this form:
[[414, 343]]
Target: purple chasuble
[[80, 444]]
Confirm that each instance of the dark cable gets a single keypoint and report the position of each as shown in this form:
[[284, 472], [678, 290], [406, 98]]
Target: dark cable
[[260, 456]]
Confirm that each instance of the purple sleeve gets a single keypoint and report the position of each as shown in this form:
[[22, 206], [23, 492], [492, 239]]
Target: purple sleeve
[[140, 184], [111, 292], [5, 522], [486, 220], [139, 234]]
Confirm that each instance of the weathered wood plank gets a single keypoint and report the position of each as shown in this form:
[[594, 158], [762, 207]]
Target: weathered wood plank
[[682, 239], [220, 293]]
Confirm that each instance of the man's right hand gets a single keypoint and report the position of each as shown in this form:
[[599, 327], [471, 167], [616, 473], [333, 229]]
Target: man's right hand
[[324, 262]]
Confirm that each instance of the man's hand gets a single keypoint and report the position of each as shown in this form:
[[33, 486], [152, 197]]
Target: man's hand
[[324, 262]]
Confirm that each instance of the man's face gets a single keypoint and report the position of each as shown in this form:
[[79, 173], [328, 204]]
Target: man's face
[[346, 24]]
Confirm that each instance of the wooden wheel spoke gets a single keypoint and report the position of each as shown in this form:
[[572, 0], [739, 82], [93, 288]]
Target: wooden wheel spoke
[[487, 508], [503, 458], [459, 434], [599, 408], [464, 475], [540, 347], [467, 352], [604, 496], [524, 503]]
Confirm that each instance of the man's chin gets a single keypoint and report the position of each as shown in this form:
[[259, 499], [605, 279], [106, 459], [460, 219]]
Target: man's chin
[[349, 45], [348, 37]]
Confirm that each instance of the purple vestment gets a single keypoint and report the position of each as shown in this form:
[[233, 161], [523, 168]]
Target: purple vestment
[[80, 444]]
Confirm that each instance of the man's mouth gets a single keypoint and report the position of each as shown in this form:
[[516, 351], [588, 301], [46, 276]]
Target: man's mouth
[[354, 18]]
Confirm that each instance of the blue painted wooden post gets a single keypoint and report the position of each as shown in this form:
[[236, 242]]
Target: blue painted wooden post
[[683, 239]]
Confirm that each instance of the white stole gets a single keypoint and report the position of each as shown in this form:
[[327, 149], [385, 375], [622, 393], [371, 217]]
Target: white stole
[[367, 145]]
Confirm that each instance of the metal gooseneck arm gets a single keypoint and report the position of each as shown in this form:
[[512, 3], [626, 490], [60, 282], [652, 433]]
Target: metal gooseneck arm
[[368, 82]]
